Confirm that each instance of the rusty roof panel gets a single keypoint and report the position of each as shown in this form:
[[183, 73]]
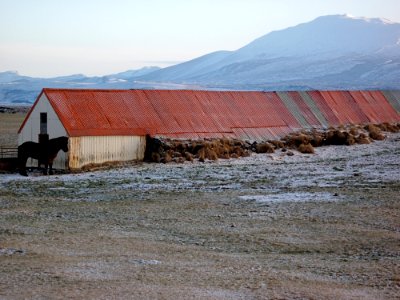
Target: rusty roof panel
[[324, 108], [293, 108], [335, 103], [365, 106], [320, 119], [389, 113], [278, 110], [394, 98], [355, 113], [305, 109]]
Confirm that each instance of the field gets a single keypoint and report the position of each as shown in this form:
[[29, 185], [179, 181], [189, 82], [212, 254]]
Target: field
[[269, 226], [9, 125]]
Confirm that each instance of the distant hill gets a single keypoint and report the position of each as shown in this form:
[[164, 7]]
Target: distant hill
[[330, 52], [15, 88]]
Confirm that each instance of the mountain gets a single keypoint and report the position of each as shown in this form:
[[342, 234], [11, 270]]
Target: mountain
[[330, 52], [18, 89]]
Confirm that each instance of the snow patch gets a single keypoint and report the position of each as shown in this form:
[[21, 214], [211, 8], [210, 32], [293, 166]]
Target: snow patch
[[291, 197]]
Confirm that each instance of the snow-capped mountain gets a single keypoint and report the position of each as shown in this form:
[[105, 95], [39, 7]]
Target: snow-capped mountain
[[330, 52]]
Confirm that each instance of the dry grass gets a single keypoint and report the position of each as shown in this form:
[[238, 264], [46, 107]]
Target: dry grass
[[306, 148], [123, 234], [304, 141], [265, 148], [185, 232], [9, 125]]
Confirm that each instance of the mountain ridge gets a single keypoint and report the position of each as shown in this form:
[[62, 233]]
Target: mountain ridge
[[329, 52]]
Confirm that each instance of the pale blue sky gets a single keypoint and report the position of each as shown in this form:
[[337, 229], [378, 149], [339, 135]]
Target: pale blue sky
[[97, 37]]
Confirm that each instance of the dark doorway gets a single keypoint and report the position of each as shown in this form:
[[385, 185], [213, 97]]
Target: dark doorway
[[43, 123]]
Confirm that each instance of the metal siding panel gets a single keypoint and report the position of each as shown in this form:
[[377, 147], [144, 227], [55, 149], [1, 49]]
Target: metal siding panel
[[278, 110], [205, 113], [394, 98], [293, 108], [331, 100], [356, 114], [306, 111], [387, 112], [100, 149], [367, 106], [314, 109], [337, 104], [324, 108]]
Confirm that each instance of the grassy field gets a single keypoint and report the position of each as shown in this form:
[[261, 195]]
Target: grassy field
[[269, 226], [9, 125]]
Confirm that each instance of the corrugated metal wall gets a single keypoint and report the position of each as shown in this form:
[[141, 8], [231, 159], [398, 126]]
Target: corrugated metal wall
[[100, 149]]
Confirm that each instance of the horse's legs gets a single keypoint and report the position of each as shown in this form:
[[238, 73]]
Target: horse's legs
[[22, 166], [45, 168], [50, 168]]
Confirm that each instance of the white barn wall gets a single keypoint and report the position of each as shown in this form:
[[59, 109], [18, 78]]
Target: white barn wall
[[87, 150], [31, 130]]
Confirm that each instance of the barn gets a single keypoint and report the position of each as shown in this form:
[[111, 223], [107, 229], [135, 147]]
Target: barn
[[111, 125]]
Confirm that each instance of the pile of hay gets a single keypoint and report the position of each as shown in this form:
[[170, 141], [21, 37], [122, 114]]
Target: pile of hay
[[179, 151]]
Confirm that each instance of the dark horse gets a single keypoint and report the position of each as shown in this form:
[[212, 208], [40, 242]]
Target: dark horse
[[44, 153]]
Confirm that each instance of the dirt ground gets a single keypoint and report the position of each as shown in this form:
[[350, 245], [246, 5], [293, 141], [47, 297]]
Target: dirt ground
[[269, 226]]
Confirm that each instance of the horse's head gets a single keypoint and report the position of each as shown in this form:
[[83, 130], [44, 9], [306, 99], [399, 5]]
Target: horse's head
[[64, 143]]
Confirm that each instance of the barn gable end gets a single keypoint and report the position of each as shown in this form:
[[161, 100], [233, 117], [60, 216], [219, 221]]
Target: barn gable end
[[30, 129]]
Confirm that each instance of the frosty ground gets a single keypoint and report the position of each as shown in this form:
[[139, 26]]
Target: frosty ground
[[266, 226]]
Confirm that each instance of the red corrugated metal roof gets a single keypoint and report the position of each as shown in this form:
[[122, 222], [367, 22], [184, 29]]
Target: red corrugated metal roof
[[207, 114]]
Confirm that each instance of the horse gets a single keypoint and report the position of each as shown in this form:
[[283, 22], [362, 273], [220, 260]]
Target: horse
[[44, 153]]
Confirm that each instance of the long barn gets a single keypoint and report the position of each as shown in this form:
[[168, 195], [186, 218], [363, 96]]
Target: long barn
[[111, 125]]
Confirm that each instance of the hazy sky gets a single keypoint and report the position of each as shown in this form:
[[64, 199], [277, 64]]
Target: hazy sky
[[98, 37]]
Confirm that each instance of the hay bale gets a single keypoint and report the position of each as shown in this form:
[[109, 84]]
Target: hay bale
[[335, 137], [375, 132], [353, 131], [210, 154], [195, 147], [378, 136], [306, 148], [350, 140], [167, 158], [202, 155], [238, 151], [265, 148], [224, 151], [246, 153], [296, 139], [188, 156], [277, 144], [155, 157], [234, 155], [388, 127], [176, 154], [317, 139], [178, 160], [362, 139]]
